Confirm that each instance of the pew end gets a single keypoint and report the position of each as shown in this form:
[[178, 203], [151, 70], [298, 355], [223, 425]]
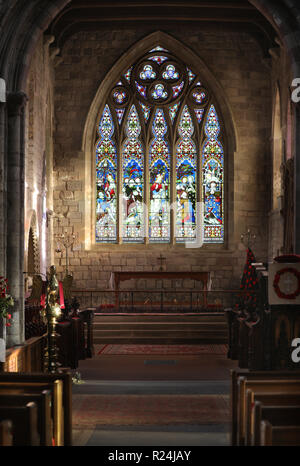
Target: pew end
[[6, 437]]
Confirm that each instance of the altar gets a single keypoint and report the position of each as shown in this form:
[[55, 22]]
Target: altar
[[118, 277]]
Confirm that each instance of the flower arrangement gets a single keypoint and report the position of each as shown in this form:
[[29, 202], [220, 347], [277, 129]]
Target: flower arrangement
[[6, 301]]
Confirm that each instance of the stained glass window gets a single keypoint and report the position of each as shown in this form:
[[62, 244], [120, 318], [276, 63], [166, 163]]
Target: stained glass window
[[186, 172], [173, 111], [106, 181], [159, 168], [212, 166], [159, 153], [133, 180]]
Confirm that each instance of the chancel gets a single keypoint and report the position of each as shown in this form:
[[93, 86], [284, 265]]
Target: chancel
[[150, 223]]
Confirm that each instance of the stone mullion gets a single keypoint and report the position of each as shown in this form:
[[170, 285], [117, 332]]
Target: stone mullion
[[15, 213], [3, 236]]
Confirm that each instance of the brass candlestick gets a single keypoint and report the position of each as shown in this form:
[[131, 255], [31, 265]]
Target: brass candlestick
[[66, 240], [50, 313]]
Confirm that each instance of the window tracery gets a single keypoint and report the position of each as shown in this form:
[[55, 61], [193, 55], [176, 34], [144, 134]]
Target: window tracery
[[160, 150]]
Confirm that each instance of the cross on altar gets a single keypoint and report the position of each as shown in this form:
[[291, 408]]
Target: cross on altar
[[161, 259]]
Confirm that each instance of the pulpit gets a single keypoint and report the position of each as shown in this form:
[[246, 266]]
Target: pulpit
[[265, 337]]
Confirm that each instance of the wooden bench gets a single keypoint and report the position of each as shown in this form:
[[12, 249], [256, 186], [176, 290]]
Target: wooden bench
[[44, 378], [250, 375], [6, 437], [260, 386], [24, 423], [277, 415], [43, 402], [266, 399], [55, 388], [279, 435]]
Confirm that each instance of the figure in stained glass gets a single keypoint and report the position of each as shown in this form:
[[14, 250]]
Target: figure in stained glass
[[159, 215], [156, 119], [186, 179], [106, 170], [213, 180], [133, 175]]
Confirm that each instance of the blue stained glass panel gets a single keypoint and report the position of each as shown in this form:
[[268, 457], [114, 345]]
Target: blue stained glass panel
[[142, 89], [159, 163], [146, 111], [173, 109], [199, 114], [133, 181], [158, 49], [127, 75], [158, 59], [212, 161], [106, 181], [186, 180]]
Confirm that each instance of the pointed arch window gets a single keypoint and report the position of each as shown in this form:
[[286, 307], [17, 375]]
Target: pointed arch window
[[159, 155]]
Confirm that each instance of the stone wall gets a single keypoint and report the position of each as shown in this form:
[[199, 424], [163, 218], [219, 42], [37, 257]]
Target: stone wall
[[38, 150], [282, 145], [236, 61]]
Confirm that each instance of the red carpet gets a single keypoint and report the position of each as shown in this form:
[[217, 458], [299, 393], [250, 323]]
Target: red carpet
[[160, 349], [92, 410]]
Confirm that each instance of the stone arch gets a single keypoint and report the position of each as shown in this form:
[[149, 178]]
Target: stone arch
[[277, 148], [33, 248], [19, 36], [222, 105]]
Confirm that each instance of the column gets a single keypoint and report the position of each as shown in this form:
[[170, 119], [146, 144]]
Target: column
[[2, 209], [15, 214]]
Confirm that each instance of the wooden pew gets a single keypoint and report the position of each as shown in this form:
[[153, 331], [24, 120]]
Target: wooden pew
[[261, 386], [266, 399], [235, 374], [24, 423], [65, 377], [279, 435], [6, 437], [55, 388], [43, 402], [277, 415]]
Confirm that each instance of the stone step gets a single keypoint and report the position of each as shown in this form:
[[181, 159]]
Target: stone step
[[159, 318], [161, 341], [165, 326], [160, 329], [143, 331]]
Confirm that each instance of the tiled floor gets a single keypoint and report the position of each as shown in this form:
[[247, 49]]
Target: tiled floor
[[192, 380]]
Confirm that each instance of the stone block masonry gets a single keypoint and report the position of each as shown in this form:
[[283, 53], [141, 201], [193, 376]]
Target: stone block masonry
[[236, 60]]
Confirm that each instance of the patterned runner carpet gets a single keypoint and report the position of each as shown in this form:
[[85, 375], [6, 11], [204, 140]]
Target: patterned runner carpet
[[95, 410], [160, 349]]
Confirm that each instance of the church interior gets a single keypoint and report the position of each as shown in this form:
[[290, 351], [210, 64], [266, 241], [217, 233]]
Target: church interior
[[149, 233]]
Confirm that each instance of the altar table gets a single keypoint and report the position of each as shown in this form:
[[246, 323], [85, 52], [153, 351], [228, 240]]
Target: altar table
[[118, 277]]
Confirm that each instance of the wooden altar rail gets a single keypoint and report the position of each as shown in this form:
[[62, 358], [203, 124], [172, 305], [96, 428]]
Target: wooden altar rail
[[194, 300]]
